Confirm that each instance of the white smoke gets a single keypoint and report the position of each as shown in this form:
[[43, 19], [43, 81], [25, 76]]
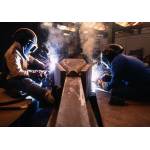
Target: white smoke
[[87, 37], [55, 39]]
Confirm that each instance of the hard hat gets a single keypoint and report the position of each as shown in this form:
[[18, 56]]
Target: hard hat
[[26, 37]]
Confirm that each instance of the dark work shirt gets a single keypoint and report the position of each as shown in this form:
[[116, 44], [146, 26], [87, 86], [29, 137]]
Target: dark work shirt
[[130, 70]]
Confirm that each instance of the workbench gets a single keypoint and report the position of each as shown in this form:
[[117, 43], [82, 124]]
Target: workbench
[[15, 114], [135, 114]]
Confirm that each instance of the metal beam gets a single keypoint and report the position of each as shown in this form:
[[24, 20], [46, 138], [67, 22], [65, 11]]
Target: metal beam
[[72, 110]]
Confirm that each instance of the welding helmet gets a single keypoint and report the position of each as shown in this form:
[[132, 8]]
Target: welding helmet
[[109, 52], [28, 40]]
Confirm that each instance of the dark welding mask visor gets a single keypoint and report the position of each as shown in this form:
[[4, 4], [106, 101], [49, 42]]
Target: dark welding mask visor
[[104, 62], [34, 47]]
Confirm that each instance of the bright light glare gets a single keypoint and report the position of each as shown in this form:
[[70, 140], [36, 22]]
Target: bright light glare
[[62, 27], [53, 60], [135, 23], [95, 72]]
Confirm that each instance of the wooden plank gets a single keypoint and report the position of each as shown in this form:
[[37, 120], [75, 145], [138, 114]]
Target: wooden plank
[[136, 114], [59, 75], [72, 110], [5, 98], [7, 117], [86, 74]]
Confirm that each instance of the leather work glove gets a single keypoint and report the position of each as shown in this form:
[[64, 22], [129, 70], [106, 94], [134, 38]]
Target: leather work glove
[[38, 74], [103, 84], [42, 74]]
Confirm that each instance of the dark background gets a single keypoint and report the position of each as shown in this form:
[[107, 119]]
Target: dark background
[[7, 29]]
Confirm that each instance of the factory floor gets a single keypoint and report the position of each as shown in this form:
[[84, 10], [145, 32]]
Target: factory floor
[[42, 115]]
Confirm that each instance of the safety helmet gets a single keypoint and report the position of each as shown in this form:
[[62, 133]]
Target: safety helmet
[[27, 38], [111, 48]]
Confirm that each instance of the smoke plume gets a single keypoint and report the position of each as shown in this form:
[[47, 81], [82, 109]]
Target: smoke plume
[[55, 39], [87, 38]]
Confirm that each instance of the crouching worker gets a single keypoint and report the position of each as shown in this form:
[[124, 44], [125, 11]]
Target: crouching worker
[[16, 78], [130, 77]]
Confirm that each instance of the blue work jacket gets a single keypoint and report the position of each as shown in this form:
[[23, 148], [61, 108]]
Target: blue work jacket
[[130, 70]]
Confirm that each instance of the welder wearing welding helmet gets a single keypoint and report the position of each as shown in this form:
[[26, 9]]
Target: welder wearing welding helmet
[[16, 77], [130, 76]]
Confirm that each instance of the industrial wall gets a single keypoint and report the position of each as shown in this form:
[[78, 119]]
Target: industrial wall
[[130, 42]]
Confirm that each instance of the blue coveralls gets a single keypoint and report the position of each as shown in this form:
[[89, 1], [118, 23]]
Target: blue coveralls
[[134, 73]]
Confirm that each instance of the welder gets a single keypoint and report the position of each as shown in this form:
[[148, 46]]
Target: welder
[[130, 77], [15, 77]]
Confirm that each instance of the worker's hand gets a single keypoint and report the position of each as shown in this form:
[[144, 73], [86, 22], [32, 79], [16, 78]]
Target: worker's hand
[[34, 74], [103, 84], [41, 74], [100, 82]]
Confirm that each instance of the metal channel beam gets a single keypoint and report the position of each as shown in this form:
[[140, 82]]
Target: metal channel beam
[[72, 111]]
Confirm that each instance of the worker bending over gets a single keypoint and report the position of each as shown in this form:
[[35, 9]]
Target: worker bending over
[[15, 77], [130, 76]]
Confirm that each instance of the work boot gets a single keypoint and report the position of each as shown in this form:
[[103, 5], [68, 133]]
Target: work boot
[[14, 93], [49, 98], [117, 101]]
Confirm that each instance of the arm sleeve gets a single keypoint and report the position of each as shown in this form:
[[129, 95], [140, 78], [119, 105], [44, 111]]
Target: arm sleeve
[[36, 63], [117, 74], [15, 67]]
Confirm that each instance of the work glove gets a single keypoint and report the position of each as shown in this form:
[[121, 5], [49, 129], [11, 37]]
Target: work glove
[[103, 84], [35, 74], [42, 74]]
